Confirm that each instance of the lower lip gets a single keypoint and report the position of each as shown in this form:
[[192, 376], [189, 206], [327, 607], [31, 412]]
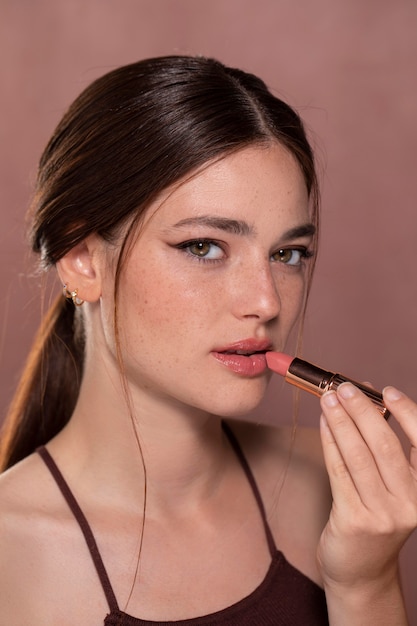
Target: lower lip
[[250, 366]]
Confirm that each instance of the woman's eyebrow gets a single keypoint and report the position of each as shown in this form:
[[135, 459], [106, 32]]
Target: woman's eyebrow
[[304, 230], [240, 227], [237, 227]]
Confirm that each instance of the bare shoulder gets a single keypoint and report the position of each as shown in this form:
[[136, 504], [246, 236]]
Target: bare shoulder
[[289, 468], [22, 495], [40, 546], [19, 489], [23, 499]]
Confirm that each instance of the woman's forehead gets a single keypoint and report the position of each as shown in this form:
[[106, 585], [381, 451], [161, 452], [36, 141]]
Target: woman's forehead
[[252, 179]]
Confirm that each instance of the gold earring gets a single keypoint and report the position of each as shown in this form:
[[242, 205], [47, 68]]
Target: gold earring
[[72, 295]]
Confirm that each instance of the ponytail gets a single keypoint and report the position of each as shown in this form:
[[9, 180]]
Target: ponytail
[[49, 386]]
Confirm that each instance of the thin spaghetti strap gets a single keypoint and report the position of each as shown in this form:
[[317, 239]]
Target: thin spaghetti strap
[[84, 525], [246, 468]]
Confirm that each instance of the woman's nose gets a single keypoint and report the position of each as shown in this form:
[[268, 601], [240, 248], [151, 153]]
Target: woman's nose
[[256, 294]]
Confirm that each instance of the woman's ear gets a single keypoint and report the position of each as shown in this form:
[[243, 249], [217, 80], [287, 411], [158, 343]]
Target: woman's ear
[[80, 269]]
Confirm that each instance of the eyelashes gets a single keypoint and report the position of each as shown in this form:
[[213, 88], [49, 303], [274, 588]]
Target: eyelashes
[[212, 251], [203, 249], [292, 256]]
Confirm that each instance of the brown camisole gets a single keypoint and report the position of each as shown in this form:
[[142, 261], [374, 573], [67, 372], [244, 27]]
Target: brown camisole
[[285, 597]]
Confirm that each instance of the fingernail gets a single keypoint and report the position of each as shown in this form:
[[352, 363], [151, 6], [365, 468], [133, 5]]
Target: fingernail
[[392, 394], [346, 390], [330, 399]]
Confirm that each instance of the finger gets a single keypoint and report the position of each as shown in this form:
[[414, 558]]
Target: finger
[[404, 411], [341, 484], [350, 465], [382, 442]]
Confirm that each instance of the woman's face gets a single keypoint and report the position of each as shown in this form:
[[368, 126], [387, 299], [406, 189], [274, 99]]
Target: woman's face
[[216, 278]]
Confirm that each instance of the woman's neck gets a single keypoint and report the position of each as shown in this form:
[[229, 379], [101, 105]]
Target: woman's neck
[[183, 449]]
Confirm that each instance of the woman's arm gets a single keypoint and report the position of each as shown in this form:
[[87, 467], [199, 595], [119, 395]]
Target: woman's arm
[[374, 488]]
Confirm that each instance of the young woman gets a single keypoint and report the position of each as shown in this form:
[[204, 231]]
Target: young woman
[[177, 200]]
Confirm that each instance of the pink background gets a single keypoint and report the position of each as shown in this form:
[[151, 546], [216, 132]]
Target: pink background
[[349, 67]]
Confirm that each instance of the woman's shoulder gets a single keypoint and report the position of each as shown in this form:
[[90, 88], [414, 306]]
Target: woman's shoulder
[[36, 538], [28, 506], [25, 494], [19, 485], [22, 499]]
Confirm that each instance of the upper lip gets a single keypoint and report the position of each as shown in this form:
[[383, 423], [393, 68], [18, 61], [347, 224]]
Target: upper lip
[[247, 346]]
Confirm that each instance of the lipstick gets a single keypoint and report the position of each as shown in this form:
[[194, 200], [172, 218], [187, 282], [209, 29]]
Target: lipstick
[[316, 380], [245, 357]]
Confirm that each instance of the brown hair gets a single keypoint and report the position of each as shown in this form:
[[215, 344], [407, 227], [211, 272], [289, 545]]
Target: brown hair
[[128, 136]]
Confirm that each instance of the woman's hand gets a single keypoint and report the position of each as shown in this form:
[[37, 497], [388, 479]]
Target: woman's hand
[[374, 488]]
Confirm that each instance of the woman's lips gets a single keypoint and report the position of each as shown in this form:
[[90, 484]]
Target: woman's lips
[[245, 365], [245, 357]]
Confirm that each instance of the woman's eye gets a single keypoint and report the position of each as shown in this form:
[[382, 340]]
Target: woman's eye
[[290, 256], [203, 249]]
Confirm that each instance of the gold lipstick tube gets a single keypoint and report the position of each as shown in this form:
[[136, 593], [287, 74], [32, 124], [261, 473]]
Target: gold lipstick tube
[[311, 378]]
